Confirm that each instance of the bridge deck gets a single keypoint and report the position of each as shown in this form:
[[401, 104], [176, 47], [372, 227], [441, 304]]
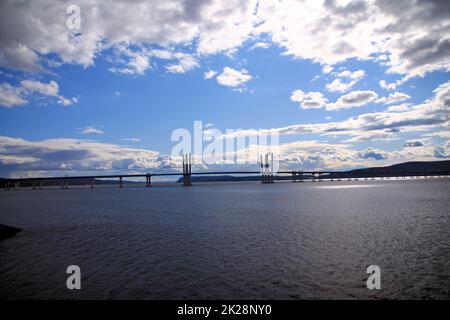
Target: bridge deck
[[143, 175]]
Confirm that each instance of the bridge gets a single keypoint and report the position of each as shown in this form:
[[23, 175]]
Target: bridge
[[266, 172]]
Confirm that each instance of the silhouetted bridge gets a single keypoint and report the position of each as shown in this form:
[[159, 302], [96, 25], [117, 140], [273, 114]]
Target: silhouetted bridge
[[266, 172], [266, 177]]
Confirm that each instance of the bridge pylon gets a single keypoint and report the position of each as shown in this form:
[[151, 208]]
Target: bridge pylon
[[187, 170], [267, 168]]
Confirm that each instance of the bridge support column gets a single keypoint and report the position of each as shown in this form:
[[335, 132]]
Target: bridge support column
[[64, 184], [92, 183], [16, 185], [120, 182], [41, 183], [187, 170], [297, 176], [148, 181], [187, 180]]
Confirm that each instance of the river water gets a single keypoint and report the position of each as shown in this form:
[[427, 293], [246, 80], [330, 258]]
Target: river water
[[230, 241]]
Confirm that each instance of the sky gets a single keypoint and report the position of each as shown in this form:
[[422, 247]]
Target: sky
[[100, 86]]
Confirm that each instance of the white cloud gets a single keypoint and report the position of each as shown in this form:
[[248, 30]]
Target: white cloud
[[58, 157], [91, 130], [371, 153], [135, 62], [399, 108], [414, 38], [432, 113], [11, 96], [261, 45], [185, 63], [310, 100], [345, 80], [388, 86], [327, 68], [411, 39], [209, 74], [51, 157], [393, 98], [18, 56], [48, 89], [233, 78], [131, 139], [16, 96], [353, 99]]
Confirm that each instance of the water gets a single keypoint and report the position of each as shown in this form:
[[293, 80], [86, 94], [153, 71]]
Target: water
[[230, 241]]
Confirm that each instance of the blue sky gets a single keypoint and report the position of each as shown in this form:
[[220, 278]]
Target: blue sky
[[108, 96]]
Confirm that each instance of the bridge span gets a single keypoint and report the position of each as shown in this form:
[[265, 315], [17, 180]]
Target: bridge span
[[296, 176], [266, 172]]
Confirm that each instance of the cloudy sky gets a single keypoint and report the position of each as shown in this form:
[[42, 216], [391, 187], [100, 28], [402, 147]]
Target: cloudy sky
[[345, 84]]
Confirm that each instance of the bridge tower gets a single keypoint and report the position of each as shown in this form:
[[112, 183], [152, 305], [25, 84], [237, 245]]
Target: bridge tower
[[187, 170], [267, 168]]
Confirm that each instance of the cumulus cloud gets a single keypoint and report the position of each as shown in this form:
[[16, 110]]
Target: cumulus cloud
[[345, 80], [17, 96], [69, 156], [413, 39], [432, 113], [393, 98], [11, 96], [233, 78], [389, 86], [316, 100], [184, 64], [371, 153], [58, 157], [310, 100], [137, 63], [353, 100]]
